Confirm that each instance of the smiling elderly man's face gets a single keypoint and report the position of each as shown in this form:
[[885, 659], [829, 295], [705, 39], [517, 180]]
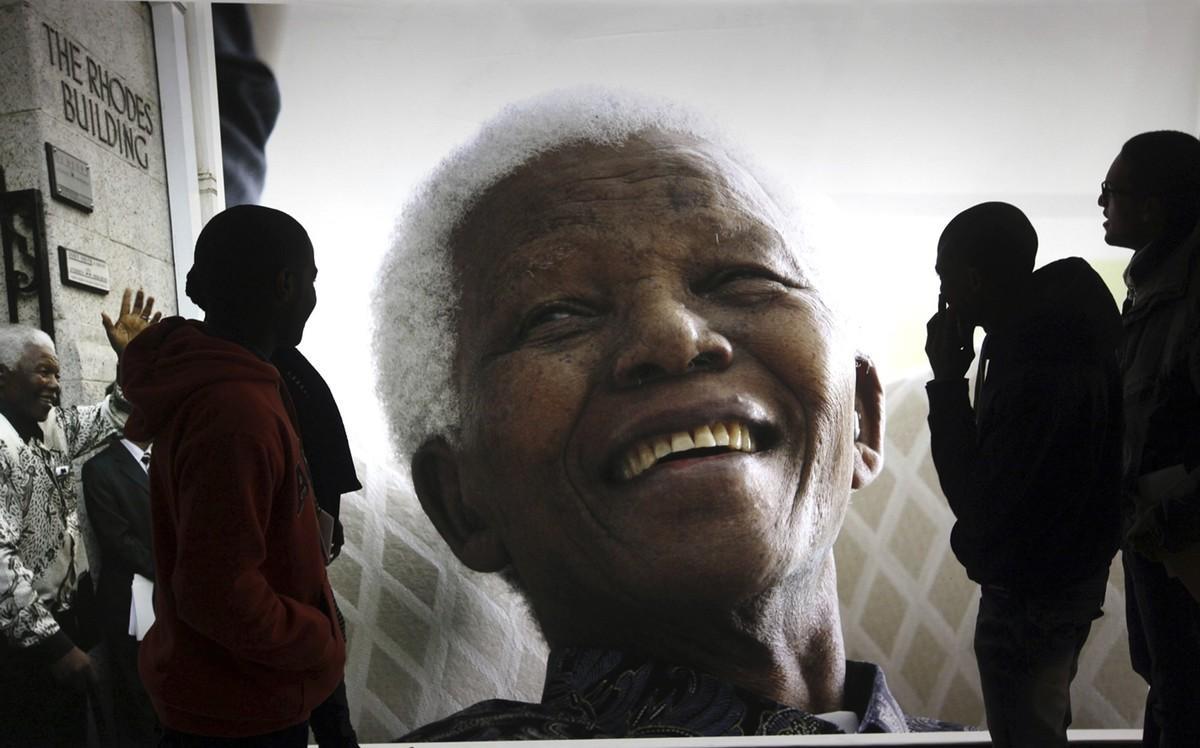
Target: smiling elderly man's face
[[30, 390], [657, 406]]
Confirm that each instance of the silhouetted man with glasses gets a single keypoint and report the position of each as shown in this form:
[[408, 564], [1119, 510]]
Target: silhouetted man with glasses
[[1151, 202]]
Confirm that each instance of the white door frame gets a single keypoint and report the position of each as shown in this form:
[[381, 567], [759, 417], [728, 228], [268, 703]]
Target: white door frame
[[191, 128]]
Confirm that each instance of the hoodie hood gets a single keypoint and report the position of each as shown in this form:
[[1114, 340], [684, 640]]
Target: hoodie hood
[[173, 360], [1068, 315]]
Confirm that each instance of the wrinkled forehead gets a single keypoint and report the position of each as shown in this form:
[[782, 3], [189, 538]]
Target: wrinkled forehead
[[37, 351], [585, 186]]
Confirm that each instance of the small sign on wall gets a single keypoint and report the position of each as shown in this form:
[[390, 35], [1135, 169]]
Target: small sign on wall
[[83, 271], [70, 178]]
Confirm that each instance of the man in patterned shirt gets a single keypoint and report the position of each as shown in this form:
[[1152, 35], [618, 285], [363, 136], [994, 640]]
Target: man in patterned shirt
[[42, 672]]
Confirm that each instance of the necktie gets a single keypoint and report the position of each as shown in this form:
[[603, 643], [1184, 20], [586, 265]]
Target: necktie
[[146, 460]]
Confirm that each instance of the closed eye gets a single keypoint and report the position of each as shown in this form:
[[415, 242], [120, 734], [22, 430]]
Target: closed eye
[[745, 281], [553, 320]]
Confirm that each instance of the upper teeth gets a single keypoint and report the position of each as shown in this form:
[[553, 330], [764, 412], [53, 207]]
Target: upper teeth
[[644, 454]]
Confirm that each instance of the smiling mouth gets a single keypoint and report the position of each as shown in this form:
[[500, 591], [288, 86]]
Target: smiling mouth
[[720, 437]]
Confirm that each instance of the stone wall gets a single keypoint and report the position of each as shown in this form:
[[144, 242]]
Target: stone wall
[[80, 75]]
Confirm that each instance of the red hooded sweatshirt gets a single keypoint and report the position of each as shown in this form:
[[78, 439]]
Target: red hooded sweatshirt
[[245, 641]]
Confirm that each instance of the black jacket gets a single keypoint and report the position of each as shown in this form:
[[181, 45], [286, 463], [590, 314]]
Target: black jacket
[[323, 434], [1161, 367], [1034, 478], [116, 490]]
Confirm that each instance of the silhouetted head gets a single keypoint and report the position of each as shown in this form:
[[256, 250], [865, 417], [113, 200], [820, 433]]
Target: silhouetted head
[[253, 273], [984, 255], [1152, 189]]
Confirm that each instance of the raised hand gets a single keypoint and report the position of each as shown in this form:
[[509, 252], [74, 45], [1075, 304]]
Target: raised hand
[[132, 319], [948, 346]]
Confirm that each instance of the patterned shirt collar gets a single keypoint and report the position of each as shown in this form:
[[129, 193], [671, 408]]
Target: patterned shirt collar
[[601, 693], [582, 675]]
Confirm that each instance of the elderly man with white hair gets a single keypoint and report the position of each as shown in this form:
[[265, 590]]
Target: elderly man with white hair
[[607, 352], [43, 671]]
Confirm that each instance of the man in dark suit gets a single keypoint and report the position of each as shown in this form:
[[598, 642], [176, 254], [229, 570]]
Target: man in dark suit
[[116, 488]]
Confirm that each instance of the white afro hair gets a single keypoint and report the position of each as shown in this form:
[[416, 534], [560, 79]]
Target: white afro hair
[[417, 297], [16, 339]]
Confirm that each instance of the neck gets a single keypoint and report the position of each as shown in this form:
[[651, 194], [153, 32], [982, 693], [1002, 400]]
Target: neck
[[25, 427], [784, 645], [1171, 236], [1006, 306], [260, 342]]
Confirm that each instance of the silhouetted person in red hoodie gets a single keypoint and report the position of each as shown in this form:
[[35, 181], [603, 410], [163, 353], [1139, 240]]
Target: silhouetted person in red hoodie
[[246, 641]]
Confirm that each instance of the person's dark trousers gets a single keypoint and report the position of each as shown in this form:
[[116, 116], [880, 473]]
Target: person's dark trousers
[[330, 720], [136, 724], [1164, 646], [295, 736], [34, 709], [1027, 648]]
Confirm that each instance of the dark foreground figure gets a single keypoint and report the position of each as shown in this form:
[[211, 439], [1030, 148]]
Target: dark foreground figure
[[621, 381], [246, 641], [1031, 470], [331, 466], [1151, 200]]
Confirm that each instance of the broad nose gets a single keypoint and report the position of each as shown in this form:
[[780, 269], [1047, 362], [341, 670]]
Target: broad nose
[[663, 339]]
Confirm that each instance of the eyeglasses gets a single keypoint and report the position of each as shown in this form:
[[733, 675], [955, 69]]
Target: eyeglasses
[[1107, 189]]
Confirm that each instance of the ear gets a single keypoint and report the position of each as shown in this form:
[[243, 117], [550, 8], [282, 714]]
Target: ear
[[974, 280], [1154, 211], [285, 284], [868, 405], [435, 478]]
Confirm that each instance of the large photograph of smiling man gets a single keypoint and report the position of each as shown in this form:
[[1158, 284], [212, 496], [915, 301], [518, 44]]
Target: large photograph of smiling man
[[609, 355]]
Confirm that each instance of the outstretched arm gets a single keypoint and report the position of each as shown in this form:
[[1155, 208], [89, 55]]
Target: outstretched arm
[[87, 427]]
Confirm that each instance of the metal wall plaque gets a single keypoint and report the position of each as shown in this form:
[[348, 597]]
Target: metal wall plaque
[[83, 271], [70, 178]]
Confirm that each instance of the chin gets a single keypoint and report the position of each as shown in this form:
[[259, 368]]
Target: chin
[[1115, 240]]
